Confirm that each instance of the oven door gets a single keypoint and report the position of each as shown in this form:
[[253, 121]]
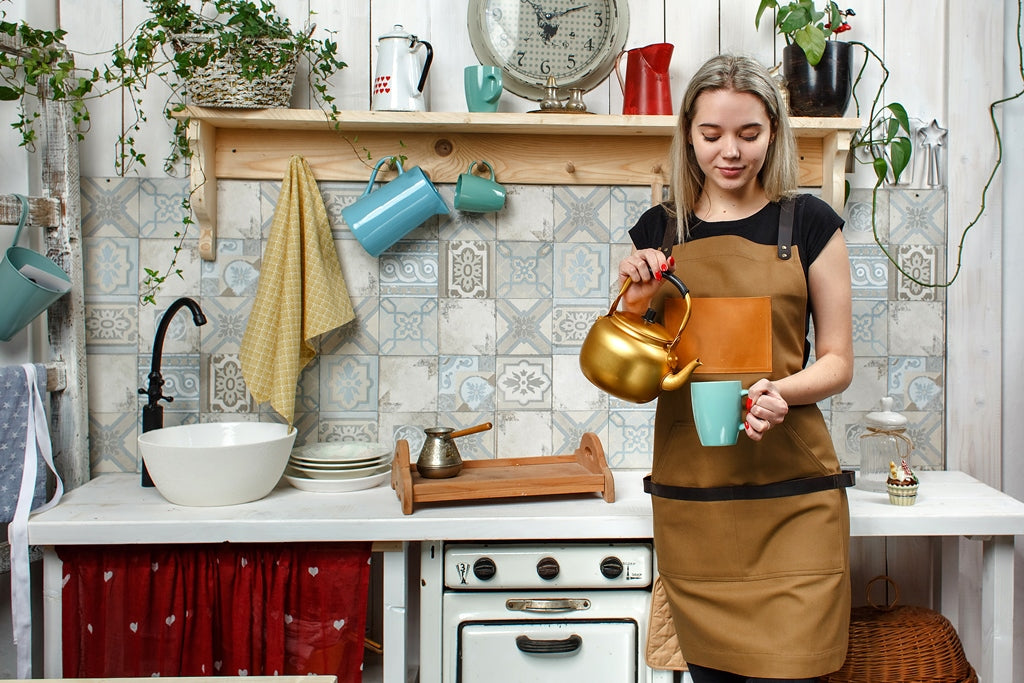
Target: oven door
[[596, 651]]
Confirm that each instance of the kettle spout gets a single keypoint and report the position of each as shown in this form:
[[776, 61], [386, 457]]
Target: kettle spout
[[677, 379]]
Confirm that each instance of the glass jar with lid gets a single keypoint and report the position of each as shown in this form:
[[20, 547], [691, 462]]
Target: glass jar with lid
[[884, 441]]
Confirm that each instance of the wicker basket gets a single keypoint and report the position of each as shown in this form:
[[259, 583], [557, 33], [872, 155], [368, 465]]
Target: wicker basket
[[905, 644], [222, 84]]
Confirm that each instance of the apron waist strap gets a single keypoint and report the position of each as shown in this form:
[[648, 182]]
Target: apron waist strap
[[780, 489]]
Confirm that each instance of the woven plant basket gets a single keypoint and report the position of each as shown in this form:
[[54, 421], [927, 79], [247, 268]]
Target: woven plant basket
[[222, 84], [905, 644]]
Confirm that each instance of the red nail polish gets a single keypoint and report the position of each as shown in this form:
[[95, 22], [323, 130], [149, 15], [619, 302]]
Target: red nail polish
[[750, 403], [664, 267], [671, 260], [657, 275]]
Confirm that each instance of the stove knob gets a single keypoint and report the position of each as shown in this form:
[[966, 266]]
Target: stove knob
[[547, 568], [484, 569], [611, 567]]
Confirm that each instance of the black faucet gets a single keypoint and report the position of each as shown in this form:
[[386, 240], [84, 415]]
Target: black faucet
[[153, 412]]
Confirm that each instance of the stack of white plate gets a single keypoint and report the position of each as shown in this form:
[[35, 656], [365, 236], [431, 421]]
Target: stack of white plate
[[337, 466]]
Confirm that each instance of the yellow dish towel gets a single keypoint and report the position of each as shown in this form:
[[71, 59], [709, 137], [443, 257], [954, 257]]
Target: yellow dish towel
[[301, 293]]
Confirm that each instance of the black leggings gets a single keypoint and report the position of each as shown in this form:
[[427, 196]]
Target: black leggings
[[702, 674]]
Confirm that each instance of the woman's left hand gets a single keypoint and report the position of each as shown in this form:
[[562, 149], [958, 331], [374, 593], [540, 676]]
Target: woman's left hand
[[765, 409]]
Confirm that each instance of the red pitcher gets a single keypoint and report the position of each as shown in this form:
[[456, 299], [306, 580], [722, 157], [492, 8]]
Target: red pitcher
[[646, 89]]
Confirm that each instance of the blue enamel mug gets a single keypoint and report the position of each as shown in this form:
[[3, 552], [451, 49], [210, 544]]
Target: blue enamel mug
[[381, 217]]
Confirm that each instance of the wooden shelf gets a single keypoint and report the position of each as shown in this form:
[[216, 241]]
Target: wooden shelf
[[530, 148]]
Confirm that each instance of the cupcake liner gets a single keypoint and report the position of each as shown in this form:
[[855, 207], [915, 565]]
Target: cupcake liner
[[902, 495]]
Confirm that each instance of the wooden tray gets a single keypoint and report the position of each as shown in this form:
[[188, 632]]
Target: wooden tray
[[584, 471]]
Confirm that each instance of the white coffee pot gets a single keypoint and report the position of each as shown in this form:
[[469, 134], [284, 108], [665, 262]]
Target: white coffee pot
[[398, 83]]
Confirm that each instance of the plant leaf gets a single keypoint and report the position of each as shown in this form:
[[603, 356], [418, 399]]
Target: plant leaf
[[812, 40], [765, 4], [900, 152], [901, 115], [881, 169], [9, 94]]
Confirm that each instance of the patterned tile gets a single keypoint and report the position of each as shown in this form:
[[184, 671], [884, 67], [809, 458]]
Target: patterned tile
[[408, 326], [921, 267], [181, 335], [570, 322], [307, 392], [479, 446], [917, 217], [113, 441], [226, 386], [226, 319], [350, 427], [466, 383], [916, 382], [568, 428], [523, 383], [408, 383], [111, 266], [627, 205], [523, 269], [926, 431], [581, 270], [157, 254], [869, 272], [409, 269], [361, 271], [467, 327], [110, 207], [870, 383], [236, 270], [160, 209], [858, 215], [870, 327], [631, 438], [467, 270], [181, 373], [464, 225], [358, 336], [112, 327], [348, 383], [523, 326], [582, 213]]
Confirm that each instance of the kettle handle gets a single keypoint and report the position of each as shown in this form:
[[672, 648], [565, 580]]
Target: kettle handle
[[426, 63], [622, 82], [373, 176], [649, 315]]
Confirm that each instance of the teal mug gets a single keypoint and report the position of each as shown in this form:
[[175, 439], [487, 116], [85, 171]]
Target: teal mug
[[30, 283], [717, 409], [483, 87], [478, 194], [381, 217]]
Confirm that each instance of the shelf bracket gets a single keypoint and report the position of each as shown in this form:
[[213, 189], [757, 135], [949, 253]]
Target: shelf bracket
[[203, 185]]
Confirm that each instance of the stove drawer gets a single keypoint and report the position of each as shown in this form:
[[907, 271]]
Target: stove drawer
[[602, 651]]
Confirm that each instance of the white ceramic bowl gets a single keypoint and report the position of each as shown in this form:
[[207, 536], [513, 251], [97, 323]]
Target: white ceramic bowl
[[219, 463]]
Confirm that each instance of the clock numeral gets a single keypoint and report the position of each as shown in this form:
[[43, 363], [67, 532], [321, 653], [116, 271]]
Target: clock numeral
[[545, 67], [598, 19], [570, 60], [519, 58], [496, 13], [589, 45]]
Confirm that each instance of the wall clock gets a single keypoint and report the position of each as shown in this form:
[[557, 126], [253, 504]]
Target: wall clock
[[576, 41]]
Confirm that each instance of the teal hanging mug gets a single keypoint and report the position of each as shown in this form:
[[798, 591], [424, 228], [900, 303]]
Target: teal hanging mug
[[479, 194], [30, 283], [381, 217]]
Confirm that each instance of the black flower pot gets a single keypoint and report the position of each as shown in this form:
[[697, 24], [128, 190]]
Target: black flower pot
[[821, 90]]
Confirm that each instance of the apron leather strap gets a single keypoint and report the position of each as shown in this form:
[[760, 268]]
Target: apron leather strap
[[780, 489], [786, 228]]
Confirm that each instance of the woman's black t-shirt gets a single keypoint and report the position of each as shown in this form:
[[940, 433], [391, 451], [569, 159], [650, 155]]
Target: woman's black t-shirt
[[814, 223]]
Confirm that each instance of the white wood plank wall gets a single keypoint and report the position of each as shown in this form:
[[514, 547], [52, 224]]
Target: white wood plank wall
[[948, 62]]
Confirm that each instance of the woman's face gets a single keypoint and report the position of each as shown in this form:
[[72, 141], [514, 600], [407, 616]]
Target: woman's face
[[730, 133]]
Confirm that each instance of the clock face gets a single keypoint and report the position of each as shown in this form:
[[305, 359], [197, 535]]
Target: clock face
[[576, 41]]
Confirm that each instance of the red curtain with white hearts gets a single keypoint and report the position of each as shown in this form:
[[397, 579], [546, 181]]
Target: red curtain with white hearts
[[208, 610]]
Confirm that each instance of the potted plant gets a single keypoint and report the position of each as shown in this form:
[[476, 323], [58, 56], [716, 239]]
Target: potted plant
[[818, 71]]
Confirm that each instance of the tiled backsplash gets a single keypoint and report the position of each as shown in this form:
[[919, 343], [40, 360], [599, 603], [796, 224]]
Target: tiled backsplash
[[473, 318]]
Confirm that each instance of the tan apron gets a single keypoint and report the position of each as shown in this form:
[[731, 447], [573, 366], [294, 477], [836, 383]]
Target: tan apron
[[757, 587]]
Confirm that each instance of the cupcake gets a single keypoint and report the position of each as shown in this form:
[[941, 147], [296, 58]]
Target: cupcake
[[902, 484]]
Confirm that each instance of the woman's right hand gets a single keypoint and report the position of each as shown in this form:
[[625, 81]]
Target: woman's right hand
[[644, 267]]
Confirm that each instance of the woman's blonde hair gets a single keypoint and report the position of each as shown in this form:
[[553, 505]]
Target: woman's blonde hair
[[778, 176]]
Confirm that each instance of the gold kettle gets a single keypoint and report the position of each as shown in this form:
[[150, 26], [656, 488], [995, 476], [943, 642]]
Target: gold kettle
[[632, 357]]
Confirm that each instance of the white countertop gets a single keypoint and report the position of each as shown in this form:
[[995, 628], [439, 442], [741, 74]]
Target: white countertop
[[114, 508]]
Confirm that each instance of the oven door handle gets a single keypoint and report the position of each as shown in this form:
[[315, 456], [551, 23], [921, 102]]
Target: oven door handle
[[547, 604], [531, 646]]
